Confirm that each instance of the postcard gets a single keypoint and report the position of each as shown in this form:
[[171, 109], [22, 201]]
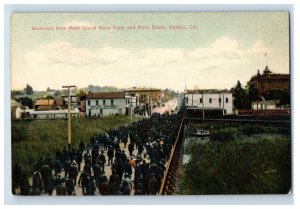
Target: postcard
[[194, 103]]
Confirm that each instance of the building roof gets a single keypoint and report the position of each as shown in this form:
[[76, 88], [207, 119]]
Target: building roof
[[14, 103], [143, 90], [105, 95], [60, 101], [45, 102], [207, 91]]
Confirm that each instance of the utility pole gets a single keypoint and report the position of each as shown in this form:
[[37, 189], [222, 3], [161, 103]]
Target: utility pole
[[131, 109], [69, 114]]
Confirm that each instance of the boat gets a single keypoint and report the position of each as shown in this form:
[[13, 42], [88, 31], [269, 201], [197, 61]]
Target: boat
[[200, 132]]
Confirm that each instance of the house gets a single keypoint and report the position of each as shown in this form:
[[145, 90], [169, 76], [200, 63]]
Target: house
[[265, 105], [15, 110], [269, 81], [73, 99], [60, 103], [45, 104], [109, 103], [209, 101]]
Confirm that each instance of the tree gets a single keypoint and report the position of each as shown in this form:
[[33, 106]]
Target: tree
[[241, 97], [28, 90], [81, 94], [15, 93], [25, 101]]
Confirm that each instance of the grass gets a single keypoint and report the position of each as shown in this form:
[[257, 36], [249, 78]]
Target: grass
[[239, 159], [32, 140]]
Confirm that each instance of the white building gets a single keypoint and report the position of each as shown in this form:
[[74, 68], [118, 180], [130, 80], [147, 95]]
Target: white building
[[265, 105], [213, 100], [52, 114], [109, 103]]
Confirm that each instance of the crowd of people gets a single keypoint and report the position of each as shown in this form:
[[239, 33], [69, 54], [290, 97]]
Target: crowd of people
[[137, 155]]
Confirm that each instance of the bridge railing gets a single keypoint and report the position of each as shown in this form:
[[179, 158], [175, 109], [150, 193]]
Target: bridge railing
[[170, 181]]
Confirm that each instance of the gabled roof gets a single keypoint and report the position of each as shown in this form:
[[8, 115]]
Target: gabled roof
[[43, 102], [106, 95]]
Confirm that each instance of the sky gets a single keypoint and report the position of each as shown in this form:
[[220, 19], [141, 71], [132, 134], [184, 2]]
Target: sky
[[207, 50]]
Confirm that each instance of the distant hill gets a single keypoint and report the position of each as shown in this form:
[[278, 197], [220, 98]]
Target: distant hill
[[93, 88]]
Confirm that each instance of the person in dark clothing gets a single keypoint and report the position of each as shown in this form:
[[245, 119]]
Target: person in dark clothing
[[51, 185], [16, 177], [37, 181], [130, 148], [110, 154], [125, 140], [83, 181], [88, 168], [97, 170], [103, 186], [114, 183], [125, 188], [57, 167], [90, 186], [102, 160], [25, 185], [81, 146], [61, 190], [73, 172], [46, 173], [153, 185], [70, 186], [79, 159], [35, 191]]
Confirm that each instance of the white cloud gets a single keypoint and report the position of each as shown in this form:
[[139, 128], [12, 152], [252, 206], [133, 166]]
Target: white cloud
[[216, 66]]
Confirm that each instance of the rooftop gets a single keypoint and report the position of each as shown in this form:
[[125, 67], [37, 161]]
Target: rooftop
[[105, 95], [45, 102], [194, 91]]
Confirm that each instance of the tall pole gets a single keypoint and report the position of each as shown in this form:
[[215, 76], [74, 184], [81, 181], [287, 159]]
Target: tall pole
[[131, 109], [69, 115]]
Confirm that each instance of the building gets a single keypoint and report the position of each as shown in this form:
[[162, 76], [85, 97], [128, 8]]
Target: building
[[60, 103], [209, 101], [45, 104], [15, 110], [109, 103], [73, 98], [269, 81], [146, 95], [53, 114], [265, 105]]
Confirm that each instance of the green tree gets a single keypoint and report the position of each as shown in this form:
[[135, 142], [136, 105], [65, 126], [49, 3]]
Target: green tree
[[29, 90], [14, 93], [25, 101], [81, 94], [241, 97]]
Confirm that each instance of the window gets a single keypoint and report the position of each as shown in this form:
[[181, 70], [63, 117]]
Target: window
[[226, 100], [201, 100], [89, 102], [210, 100], [103, 102], [220, 100], [97, 103], [112, 102]]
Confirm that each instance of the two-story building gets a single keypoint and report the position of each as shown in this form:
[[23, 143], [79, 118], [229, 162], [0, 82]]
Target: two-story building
[[109, 103], [210, 101]]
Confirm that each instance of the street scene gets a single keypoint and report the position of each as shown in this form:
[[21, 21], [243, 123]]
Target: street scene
[[150, 104]]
